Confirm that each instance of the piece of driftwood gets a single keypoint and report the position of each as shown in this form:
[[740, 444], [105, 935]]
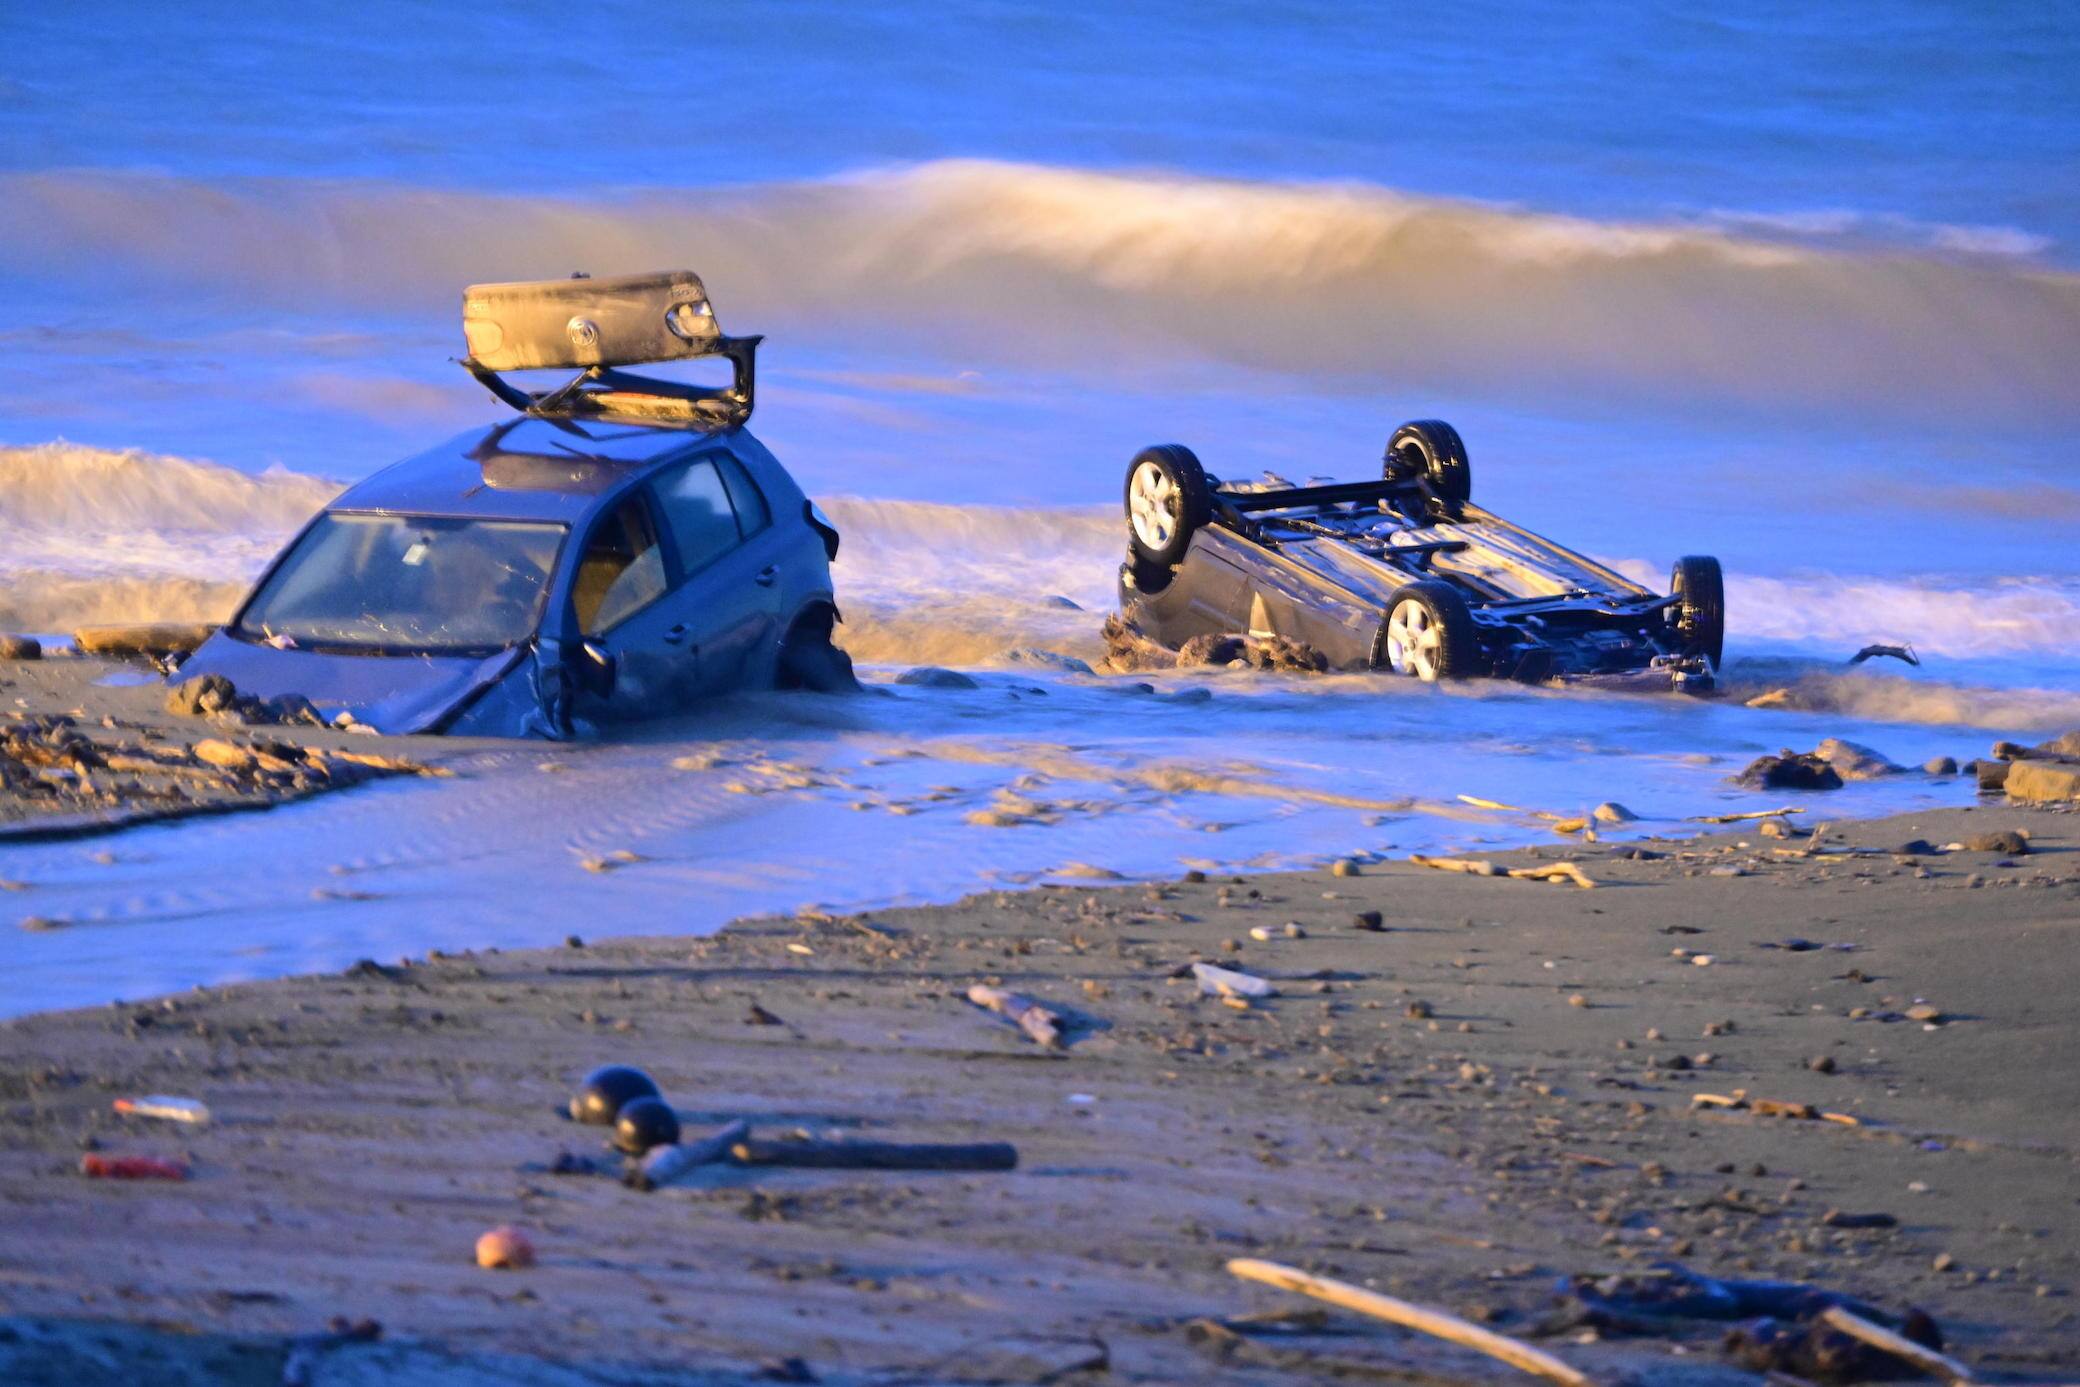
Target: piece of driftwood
[[1555, 871], [1878, 1337], [1471, 867], [1043, 1025], [1451, 1328], [1742, 818], [877, 1155], [664, 1164], [1215, 981]]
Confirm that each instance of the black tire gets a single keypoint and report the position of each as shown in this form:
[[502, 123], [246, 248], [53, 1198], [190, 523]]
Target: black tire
[[1433, 450], [1455, 652], [1175, 500], [1700, 611], [809, 660]]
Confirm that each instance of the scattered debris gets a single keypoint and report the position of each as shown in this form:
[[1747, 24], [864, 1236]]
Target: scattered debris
[[1895, 652], [162, 1105], [98, 1167], [1226, 982], [1469, 866], [1554, 871], [814, 1154], [1921, 1356], [1743, 818]]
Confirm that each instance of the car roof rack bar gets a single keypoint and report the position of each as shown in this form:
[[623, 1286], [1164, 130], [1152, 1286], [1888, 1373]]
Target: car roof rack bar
[[1335, 493]]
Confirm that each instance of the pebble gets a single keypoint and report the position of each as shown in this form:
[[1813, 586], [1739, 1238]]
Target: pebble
[[1369, 920], [1702, 960], [1821, 1064], [1943, 1261], [1345, 868]]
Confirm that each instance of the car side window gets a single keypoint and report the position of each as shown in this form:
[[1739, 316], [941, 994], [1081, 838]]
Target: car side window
[[753, 514], [622, 571], [698, 512]]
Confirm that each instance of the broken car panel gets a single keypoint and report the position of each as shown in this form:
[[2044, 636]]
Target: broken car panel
[[622, 549], [1402, 573]]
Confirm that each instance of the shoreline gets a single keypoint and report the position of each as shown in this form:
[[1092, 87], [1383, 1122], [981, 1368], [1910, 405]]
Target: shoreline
[[1427, 1109]]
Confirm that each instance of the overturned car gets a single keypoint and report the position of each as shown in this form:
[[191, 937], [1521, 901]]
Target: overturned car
[[620, 549], [1402, 572]]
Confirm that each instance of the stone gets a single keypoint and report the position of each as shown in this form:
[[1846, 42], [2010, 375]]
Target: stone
[[2065, 746], [1774, 828], [1612, 812], [1992, 775], [1853, 761], [1345, 868], [229, 756], [1790, 770], [2006, 841], [1032, 657], [1368, 920], [20, 648], [1925, 1013], [1821, 1064], [2043, 782], [933, 677], [1128, 651], [204, 694], [1940, 765]]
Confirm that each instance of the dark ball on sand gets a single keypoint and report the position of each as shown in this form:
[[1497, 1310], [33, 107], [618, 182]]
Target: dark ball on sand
[[644, 1123], [607, 1090]]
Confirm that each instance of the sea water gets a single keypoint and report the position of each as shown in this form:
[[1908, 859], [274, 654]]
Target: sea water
[[1795, 287]]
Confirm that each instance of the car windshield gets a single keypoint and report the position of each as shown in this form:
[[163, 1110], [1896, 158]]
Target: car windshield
[[400, 583]]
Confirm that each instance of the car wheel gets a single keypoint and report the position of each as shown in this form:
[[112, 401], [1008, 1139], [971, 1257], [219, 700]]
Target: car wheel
[[1432, 450], [1168, 497], [809, 660], [1700, 610], [1429, 634]]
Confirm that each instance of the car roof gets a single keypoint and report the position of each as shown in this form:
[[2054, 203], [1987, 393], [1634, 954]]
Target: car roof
[[522, 469]]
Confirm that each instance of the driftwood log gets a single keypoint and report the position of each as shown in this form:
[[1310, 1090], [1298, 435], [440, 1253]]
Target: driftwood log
[[1906, 1350], [1451, 1328], [1043, 1025], [1215, 981], [877, 1155], [664, 1164]]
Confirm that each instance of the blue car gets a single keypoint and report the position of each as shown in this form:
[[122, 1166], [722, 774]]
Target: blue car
[[619, 551]]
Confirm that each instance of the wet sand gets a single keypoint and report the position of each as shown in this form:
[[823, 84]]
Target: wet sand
[[89, 745], [1491, 1092]]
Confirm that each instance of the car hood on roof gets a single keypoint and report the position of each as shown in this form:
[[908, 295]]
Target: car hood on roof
[[394, 694]]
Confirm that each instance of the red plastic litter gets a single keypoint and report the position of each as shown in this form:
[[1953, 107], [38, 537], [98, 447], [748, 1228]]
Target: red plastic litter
[[130, 1168]]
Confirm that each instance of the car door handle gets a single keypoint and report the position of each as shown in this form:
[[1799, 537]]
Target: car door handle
[[766, 575], [676, 634]]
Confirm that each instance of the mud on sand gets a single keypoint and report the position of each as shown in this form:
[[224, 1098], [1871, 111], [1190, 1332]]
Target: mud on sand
[[1491, 1091]]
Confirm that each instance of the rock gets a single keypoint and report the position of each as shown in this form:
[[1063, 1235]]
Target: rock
[[1345, 868], [1065, 603], [1925, 1013], [20, 648], [290, 710], [1034, 658], [1916, 847], [1774, 828], [1854, 762], [1127, 651], [229, 756], [2043, 782], [505, 1248], [2005, 841], [2065, 746], [165, 638], [1368, 920], [1790, 770], [933, 677], [1821, 1064], [1940, 765], [1993, 775], [208, 693], [1612, 812]]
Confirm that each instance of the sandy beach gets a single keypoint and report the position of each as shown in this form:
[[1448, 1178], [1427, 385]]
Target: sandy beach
[[1492, 1090]]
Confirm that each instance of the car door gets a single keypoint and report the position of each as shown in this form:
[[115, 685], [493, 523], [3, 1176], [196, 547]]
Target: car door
[[727, 564], [620, 595]]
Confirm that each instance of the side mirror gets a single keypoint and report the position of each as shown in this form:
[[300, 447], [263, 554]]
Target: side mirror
[[596, 669]]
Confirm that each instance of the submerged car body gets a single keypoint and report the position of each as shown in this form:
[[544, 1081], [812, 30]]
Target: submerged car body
[[1403, 573], [622, 549]]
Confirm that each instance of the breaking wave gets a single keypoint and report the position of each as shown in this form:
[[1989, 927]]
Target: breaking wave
[[1352, 282], [92, 536]]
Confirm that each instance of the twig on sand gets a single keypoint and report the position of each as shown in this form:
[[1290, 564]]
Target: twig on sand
[[1450, 1328], [1043, 1025], [1742, 818], [1470, 866], [1555, 871], [877, 1155], [1884, 1340]]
